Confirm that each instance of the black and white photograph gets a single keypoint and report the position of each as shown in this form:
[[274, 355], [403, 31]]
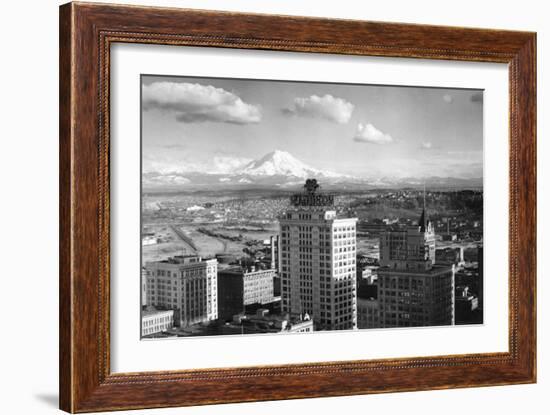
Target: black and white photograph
[[275, 207]]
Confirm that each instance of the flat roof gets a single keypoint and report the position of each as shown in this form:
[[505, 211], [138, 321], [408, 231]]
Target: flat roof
[[436, 269], [150, 313]]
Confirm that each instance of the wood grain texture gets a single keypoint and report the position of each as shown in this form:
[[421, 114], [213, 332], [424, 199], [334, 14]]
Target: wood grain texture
[[86, 33], [65, 245]]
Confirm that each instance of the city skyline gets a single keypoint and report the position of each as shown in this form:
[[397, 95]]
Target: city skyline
[[323, 267], [296, 207], [218, 126]]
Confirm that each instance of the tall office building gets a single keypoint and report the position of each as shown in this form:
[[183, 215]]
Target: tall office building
[[412, 289], [186, 284], [317, 261]]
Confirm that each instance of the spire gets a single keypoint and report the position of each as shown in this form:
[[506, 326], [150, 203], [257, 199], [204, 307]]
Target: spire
[[424, 206], [422, 221], [423, 217]]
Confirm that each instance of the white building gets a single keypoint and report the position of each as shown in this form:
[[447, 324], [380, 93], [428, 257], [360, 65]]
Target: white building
[[317, 260], [186, 284], [149, 240], [194, 208], [157, 321]]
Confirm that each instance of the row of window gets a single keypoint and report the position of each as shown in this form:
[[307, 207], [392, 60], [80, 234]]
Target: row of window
[[148, 322]]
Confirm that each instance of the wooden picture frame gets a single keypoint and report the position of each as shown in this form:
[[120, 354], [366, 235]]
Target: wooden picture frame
[[86, 33]]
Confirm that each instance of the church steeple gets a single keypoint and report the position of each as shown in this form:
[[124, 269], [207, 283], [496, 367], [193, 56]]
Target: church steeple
[[423, 222]]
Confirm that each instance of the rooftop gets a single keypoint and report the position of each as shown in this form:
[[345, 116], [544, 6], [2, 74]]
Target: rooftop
[[183, 260], [435, 269], [151, 312]]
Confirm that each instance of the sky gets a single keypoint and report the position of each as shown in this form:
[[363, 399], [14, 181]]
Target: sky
[[217, 125]]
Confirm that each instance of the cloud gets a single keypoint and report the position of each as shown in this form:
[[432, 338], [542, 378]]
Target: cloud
[[192, 103], [168, 163], [174, 146], [153, 179], [477, 97], [229, 164], [447, 98], [327, 107], [368, 133], [426, 145]]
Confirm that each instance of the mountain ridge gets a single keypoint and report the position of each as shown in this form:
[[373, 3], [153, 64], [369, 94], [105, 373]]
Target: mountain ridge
[[282, 170]]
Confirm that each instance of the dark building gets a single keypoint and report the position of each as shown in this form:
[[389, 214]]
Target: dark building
[[471, 276], [274, 252], [367, 290], [450, 255], [480, 277], [238, 288], [467, 307], [277, 286], [368, 313]]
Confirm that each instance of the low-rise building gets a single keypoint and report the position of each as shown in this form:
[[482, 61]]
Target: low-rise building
[[467, 306], [449, 237], [264, 322], [156, 321], [450, 255], [149, 239]]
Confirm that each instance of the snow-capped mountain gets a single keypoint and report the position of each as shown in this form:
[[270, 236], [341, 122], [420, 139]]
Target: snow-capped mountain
[[280, 169], [282, 163]]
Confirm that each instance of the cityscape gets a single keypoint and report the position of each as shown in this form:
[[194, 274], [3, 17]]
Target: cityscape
[[272, 245]]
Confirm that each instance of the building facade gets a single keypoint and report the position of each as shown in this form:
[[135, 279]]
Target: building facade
[[412, 289], [186, 284], [274, 252], [480, 276], [238, 287], [368, 313], [143, 287], [467, 309], [317, 261], [158, 321]]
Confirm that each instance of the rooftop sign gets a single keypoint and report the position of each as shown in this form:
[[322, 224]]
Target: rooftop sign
[[310, 197], [312, 200]]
